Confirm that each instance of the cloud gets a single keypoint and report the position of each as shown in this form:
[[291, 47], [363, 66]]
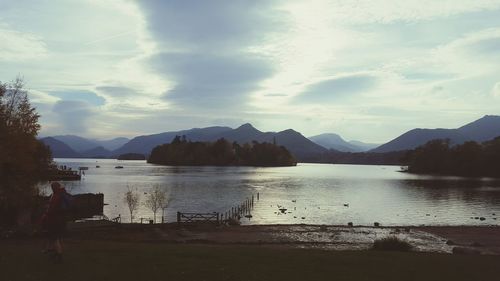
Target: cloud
[[20, 46], [389, 11], [116, 91], [216, 25], [496, 90], [74, 115], [217, 81], [80, 95], [337, 88]]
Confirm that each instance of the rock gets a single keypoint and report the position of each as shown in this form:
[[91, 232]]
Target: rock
[[465, 251], [482, 218]]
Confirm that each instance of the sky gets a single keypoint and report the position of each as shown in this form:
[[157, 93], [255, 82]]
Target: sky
[[368, 70]]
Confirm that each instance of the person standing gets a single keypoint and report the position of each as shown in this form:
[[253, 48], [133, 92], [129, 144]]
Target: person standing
[[54, 221]]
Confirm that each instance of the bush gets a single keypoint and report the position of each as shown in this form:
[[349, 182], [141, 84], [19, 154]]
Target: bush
[[391, 244]]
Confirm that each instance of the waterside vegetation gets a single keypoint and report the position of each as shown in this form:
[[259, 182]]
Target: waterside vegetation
[[183, 152], [470, 159]]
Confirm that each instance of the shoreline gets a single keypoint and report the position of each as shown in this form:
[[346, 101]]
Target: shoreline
[[438, 239]]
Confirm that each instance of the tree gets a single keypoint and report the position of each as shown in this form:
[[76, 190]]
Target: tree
[[156, 199], [24, 160], [132, 198]]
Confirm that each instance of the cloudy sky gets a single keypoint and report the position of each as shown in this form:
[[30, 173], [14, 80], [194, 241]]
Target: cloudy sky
[[365, 69]]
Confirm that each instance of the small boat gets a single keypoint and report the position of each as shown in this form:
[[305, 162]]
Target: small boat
[[283, 210], [119, 167], [98, 166]]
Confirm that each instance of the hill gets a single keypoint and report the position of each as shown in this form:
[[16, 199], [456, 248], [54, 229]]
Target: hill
[[296, 143], [144, 144], [59, 149], [336, 142], [81, 144], [98, 152], [480, 130]]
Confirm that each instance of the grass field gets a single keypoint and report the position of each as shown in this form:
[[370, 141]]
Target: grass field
[[102, 260]]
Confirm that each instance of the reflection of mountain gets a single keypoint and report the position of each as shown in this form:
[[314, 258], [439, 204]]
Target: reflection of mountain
[[480, 130], [336, 142], [60, 149], [299, 146]]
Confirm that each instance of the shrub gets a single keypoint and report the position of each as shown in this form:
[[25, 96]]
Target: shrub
[[391, 244]]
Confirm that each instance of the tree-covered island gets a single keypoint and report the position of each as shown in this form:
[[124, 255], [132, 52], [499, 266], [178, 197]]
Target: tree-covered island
[[182, 152]]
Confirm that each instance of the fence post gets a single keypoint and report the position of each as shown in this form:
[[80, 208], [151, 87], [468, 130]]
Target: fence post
[[178, 217]]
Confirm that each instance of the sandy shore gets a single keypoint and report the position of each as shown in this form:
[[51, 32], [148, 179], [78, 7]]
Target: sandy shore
[[485, 240]]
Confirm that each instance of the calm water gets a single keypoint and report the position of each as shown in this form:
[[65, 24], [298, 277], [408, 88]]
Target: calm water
[[312, 193]]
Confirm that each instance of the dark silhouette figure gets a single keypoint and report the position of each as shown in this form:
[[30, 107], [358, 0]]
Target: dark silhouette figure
[[54, 221]]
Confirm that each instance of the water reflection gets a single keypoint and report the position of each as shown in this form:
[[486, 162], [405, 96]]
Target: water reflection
[[311, 193]]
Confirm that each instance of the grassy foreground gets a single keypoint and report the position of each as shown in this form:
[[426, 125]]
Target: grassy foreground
[[102, 260]]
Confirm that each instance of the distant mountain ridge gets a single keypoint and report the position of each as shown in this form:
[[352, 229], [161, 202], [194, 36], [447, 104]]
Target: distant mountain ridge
[[300, 146], [336, 142], [483, 129], [80, 144], [59, 149]]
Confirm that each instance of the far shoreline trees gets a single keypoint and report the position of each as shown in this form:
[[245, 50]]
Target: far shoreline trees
[[470, 159], [181, 152]]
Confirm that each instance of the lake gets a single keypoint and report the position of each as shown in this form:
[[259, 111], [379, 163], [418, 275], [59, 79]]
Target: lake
[[311, 193]]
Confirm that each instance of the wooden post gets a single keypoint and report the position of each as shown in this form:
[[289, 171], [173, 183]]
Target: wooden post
[[178, 217]]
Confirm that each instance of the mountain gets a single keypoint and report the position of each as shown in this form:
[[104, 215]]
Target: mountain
[[480, 130], [97, 152], [81, 144], [363, 145], [60, 149], [484, 129], [336, 142], [112, 144], [144, 144], [77, 143], [299, 146], [245, 133]]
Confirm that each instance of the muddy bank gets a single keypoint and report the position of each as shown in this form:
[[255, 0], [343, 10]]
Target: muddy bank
[[296, 236], [485, 239]]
